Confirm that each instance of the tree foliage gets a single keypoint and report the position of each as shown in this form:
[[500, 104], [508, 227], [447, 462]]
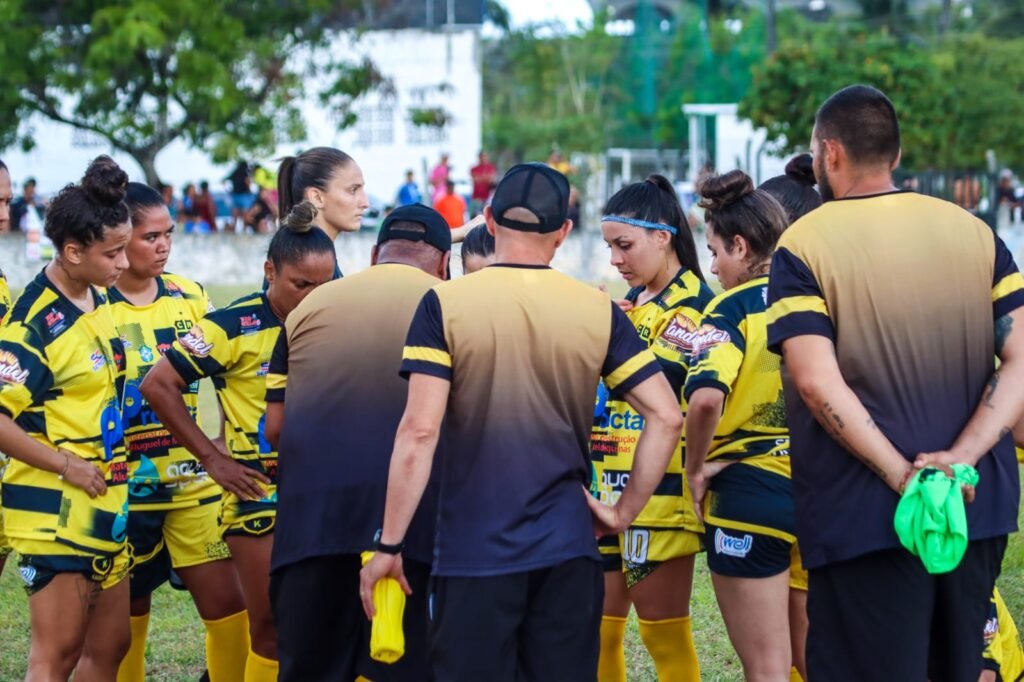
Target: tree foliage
[[224, 76], [957, 97]]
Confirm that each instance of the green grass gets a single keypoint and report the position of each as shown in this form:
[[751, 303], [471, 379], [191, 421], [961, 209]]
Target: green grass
[[175, 646]]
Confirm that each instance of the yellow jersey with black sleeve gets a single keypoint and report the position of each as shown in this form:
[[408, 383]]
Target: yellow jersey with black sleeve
[[1003, 652], [233, 346], [667, 324], [5, 297], [163, 474], [61, 381], [731, 354]]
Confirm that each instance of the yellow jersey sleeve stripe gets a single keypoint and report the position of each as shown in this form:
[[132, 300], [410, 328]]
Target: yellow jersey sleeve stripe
[[796, 304], [1008, 285], [276, 381], [425, 354], [629, 368]]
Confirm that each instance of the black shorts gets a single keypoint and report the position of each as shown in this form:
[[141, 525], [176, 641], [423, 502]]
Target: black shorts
[[881, 616], [323, 634], [536, 625]]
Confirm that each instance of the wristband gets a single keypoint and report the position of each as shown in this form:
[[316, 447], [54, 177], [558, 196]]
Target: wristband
[[67, 463], [390, 549]]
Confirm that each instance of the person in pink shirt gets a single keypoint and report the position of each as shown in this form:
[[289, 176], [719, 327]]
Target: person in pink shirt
[[439, 176]]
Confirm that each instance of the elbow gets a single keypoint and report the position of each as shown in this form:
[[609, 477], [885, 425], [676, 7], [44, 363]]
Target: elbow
[[670, 417], [705, 404], [420, 431], [810, 388]]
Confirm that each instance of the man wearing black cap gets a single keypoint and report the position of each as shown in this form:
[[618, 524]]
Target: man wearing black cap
[[334, 400], [511, 357]]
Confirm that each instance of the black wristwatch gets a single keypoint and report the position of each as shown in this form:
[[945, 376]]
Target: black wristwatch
[[390, 549]]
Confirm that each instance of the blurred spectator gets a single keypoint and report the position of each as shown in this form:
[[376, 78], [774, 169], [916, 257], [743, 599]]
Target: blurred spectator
[[484, 176], [409, 193], [559, 163], [262, 215], [574, 208], [438, 178], [6, 198], [206, 205], [190, 211], [173, 207], [28, 202], [241, 193], [967, 191], [1006, 199], [451, 206]]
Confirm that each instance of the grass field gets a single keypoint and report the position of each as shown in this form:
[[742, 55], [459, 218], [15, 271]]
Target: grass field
[[175, 645]]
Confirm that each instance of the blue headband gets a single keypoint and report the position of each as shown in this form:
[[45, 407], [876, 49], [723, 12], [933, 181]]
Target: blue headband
[[636, 222]]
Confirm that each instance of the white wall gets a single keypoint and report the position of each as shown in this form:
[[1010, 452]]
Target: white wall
[[415, 60]]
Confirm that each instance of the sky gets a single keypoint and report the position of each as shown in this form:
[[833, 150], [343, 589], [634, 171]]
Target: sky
[[534, 11]]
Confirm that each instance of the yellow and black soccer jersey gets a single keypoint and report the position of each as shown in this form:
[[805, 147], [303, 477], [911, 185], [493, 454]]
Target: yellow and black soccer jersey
[[233, 347], [523, 348], [61, 380], [909, 289], [162, 473], [732, 355], [1003, 652], [5, 297], [667, 323]]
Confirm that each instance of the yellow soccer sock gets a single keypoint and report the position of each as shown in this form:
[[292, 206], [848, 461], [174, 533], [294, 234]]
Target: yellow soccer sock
[[227, 647], [794, 675], [670, 643], [611, 666], [133, 665], [259, 669]]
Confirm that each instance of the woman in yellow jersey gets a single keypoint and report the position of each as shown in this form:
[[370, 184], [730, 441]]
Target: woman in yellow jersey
[[173, 503], [65, 493], [651, 564], [233, 347], [737, 456], [6, 196]]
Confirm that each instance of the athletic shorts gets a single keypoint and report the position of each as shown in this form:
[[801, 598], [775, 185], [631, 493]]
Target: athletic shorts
[[172, 538], [882, 616], [242, 202], [638, 551], [749, 523], [325, 590], [39, 570], [536, 625], [248, 519]]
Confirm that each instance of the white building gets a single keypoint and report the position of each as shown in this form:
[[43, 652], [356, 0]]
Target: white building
[[720, 137], [428, 68]]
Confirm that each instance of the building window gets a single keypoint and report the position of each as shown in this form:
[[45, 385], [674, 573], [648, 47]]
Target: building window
[[375, 125], [425, 134]]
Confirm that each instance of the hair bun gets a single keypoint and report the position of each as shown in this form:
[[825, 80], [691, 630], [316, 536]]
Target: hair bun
[[301, 217], [801, 169], [105, 182], [719, 191]]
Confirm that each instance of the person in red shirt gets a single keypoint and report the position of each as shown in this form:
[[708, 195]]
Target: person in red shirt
[[484, 176], [451, 206]]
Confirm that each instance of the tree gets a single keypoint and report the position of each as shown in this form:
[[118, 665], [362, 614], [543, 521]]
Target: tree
[[957, 97], [224, 76]]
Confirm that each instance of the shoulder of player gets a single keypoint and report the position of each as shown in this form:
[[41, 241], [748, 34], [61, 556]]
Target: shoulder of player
[[689, 291], [41, 311], [188, 288], [739, 302], [246, 315]]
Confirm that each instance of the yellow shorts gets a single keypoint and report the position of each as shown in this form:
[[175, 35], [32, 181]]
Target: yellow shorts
[[190, 534], [248, 519], [797, 572], [638, 551], [40, 561], [5, 542]]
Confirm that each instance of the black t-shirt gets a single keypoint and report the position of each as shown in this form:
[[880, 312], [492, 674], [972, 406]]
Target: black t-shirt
[[239, 180]]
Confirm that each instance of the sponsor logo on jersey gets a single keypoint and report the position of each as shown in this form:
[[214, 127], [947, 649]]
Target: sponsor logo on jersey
[[146, 353], [264, 370], [55, 323], [621, 421], [98, 360], [10, 369], [730, 545], [249, 324], [708, 336], [681, 333], [991, 629], [173, 290], [195, 343]]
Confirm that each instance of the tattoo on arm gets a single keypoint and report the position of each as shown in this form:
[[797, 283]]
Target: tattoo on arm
[[1004, 325], [834, 425], [990, 391]]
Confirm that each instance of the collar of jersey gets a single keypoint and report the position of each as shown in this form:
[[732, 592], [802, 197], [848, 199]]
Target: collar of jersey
[[97, 298], [633, 294], [875, 196], [523, 266]]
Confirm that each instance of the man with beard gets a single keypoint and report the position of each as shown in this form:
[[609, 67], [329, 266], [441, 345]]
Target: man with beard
[[889, 309]]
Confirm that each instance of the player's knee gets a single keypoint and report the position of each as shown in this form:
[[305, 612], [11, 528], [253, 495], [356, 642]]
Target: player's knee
[[263, 636], [54, 662]]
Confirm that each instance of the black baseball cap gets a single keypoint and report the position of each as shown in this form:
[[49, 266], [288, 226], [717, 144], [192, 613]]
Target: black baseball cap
[[536, 188], [435, 229]]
